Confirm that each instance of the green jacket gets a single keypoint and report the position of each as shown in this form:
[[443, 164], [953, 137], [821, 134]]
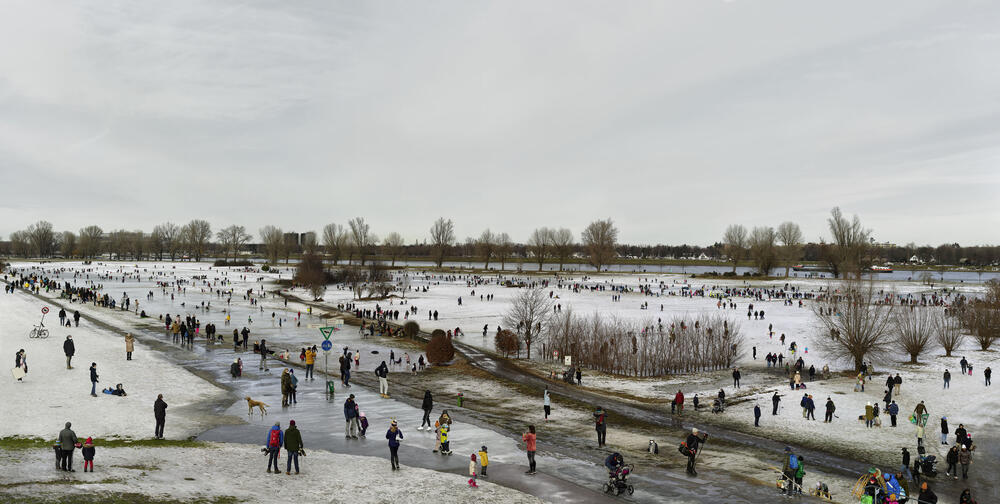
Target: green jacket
[[293, 440]]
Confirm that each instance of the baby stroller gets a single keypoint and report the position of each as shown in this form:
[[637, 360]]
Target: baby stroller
[[618, 480], [718, 406]]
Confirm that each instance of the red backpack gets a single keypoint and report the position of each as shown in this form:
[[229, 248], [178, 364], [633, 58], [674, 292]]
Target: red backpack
[[275, 441]]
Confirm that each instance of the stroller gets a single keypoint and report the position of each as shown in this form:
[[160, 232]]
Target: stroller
[[618, 480], [718, 406], [926, 462]]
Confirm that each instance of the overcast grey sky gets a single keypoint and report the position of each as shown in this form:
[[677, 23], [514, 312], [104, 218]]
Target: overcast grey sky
[[673, 118]]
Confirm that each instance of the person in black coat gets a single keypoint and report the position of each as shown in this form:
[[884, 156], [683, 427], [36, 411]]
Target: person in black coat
[[756, 415], [427, 405], [693, 441], [160, 413], [775, 399], [93, 379], [69, 349]]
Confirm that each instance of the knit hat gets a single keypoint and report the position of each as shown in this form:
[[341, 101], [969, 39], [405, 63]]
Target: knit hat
[[291, 423], [277, 424], [482, 448], [393, 422], [361, 413], [89, 441], [473, 457], [694, 430]]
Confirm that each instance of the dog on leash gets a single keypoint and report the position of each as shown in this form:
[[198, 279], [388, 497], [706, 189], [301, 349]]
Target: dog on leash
[[260, 405]]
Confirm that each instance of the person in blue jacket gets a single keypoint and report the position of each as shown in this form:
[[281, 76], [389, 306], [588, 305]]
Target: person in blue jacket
[[893, 410], [394, 435], [275, 439]]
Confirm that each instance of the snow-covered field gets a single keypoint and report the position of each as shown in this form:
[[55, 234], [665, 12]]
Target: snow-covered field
[[51, 395], [235, 470]]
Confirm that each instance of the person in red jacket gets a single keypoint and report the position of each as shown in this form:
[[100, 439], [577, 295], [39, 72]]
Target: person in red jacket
[[679, 401]]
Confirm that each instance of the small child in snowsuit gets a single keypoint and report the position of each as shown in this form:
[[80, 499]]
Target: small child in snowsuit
[[484, 461], [364, 423], [444, 440], [88, 454], [472, 471]]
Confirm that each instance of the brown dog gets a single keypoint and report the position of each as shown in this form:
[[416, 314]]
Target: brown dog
[[258, 404]]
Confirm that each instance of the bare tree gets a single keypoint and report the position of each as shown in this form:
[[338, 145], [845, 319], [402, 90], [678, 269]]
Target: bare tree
[[948, 331], [232, 239], [857, 324], [982, 316], [336, 240], [734, 242], [393, 243], [763, 249], [155, 244], [363, 238], [68, 244], [310, 274], [851, 243], [528, 314], [273, 239], [90, 241], [42, 238], [790, 237], [118, 243], [442, 237], [599, 239], [913, 327], [309, 244], [538, 244], [170, 233], [503, 248], [562, 245], [197, 236], [20, 244], [486, 247], [136, 244]]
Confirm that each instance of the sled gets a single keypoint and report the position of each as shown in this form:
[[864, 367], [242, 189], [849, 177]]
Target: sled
[[18, 373]]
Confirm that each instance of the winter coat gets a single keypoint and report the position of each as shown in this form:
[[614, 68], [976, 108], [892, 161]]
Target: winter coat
[[529, 441], [350, 409], [484, 459], [693, 441], [869, 412], [472, 467], [293, 439], [944, 426], [69, 348], [310, 356], [919, 410], [129, 343], [829, 406], [394, 437], [927, 497], [88, 452], [947, 376], [961, 434], [679, 399], [893, 409], [160, 409], [964, 457], [382, 371], [93, 374], [428, 403], [67, 439], [286, 383], [281, 437], [952, 456]]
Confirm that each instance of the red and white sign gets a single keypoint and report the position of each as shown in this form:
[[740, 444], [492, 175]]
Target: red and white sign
[[45, 309]]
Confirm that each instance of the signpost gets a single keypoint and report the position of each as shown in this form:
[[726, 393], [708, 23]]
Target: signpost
[[327, 345]]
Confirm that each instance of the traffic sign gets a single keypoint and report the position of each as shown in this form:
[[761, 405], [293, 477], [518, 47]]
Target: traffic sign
[[327, 332], [45, 309], [326, 346]]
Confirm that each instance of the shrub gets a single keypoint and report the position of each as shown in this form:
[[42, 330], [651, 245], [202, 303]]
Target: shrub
[[410, 329], [440, 350], [223, 262], [265, 267], [507, 343]]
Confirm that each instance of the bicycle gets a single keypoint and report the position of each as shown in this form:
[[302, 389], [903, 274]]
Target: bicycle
[[39, 331]]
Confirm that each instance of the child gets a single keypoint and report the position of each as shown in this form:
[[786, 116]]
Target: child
[[484, 460], [364, 423], [88, 454], [472, 471], [799, 473], [444, 439]]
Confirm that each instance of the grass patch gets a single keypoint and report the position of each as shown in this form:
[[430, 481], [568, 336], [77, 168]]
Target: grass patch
[[37, 443], [57, 482], [139, 467]]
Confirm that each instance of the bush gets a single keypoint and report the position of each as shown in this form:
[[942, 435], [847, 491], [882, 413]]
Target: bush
[[410, 329], [729, 274], [440, 350], [265, 267], [507, 343]]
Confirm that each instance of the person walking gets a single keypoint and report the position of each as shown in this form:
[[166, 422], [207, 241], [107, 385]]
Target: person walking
[[129, 345], [529, 439], [263, 356], [67, 443], [788, 470], [830, 408], [944, 430], [736, 377], [293, 447], [947, 379], [964, 458], [351, 417], [93, 379], [275, 438], [76, 318], [286, 387], [160, 414], [601, 426], [69, 349], [394, 435], [952, 459], [893, 410], [775, 400], [693, 441], [679, 402], [987, 373], [295, 386], [546, 403], [756, 415], [427, 405]]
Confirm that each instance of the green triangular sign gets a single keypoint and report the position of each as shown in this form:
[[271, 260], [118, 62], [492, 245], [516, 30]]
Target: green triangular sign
[[327, 332]]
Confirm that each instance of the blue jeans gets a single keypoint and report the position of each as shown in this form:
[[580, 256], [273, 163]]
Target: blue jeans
[[292, 456], [93, 388], [272, 457]]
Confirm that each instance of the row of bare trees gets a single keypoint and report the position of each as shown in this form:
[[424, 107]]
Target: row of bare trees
[[166, 240], [765, 246]]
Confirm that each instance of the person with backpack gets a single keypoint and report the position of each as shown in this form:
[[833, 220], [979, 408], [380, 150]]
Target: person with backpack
[[394, 435], [789, 469], [600, 425], [830, 408], [275, 438], [382, 372], [293, 447], [799, 473]]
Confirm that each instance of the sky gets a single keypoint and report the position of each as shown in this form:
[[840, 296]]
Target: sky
[[674, 119]]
